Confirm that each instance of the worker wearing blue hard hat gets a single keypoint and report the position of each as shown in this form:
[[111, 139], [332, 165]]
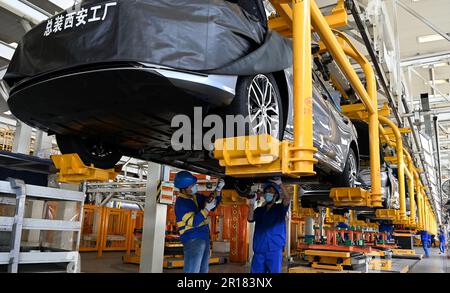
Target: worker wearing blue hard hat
[[441, 240], [191, 211], [270, 227]]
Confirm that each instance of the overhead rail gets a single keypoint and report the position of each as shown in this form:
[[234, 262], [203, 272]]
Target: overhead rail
[[25, 10]]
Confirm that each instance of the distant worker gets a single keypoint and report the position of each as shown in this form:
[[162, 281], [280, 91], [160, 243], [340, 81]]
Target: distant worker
[[425, 238], [269, 237], [386, 228], [191, 211], [441, 240], [342, 225]]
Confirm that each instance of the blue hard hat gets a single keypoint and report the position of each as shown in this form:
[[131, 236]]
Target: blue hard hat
[[271, 184], [184, 179]]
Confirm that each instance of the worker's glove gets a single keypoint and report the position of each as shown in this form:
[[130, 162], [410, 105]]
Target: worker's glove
[[276, 180], [220, 185], [210, 205]]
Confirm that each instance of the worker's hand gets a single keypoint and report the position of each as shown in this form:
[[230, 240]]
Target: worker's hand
[[252, 201], [220, 185], [210, 205], [276, 180]]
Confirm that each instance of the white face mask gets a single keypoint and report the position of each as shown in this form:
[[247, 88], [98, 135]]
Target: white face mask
[[194, 189]]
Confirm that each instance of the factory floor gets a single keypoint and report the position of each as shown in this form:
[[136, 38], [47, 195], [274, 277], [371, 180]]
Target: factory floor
[[111, 262], [436, 263]]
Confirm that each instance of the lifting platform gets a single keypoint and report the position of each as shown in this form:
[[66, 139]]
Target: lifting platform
[[334, 260]]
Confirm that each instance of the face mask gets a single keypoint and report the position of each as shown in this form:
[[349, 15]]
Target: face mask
[[194, 189], [268, 197]]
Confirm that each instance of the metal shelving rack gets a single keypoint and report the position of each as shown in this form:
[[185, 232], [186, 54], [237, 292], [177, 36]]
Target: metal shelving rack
[[15, 225]]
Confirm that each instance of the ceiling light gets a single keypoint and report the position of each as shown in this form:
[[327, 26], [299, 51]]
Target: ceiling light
[[442, 64], [440, 81], [430, 38]]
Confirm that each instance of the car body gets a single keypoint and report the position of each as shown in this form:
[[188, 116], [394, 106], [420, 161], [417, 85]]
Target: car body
[[125, 106]]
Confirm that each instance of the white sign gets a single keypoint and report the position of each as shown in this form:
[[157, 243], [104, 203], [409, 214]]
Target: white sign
[[77, 18], [166, 193]]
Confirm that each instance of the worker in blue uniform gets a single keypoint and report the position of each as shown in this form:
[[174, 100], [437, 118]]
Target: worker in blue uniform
[[441, 240], [191, 211], [269, 237], [387, 228], [425, 238], [342, 225]]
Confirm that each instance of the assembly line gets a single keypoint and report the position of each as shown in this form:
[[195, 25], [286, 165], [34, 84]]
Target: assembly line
[[260, 137]]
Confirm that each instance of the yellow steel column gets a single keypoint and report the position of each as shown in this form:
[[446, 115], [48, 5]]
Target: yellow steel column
[[295, 201], [353, 216], [326, 34], [424, 215], [302, 67], [417, 185], [400, 164], [419, 206], [412, 203]]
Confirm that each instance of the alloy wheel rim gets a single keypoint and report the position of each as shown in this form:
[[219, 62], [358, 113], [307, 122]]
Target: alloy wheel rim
[[353, 171], [263, 107]]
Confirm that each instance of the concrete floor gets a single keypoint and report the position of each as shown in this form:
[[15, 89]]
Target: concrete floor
[[436, 263], [111, 262]]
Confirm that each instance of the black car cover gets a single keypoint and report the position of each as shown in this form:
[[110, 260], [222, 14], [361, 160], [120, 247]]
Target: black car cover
[[214, 36]]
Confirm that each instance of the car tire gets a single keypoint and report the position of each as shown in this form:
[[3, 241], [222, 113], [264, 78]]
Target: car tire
[[349, 176], [263, 107], [101, 155]]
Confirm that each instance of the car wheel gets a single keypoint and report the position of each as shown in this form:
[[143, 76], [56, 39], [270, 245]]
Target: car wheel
[[101, 155], [259, 99], [349, 176]]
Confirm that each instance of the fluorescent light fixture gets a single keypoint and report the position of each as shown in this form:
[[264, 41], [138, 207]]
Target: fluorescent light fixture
[[442, 64], [14, 44], [64, 4], [440, 81], [430, 38]]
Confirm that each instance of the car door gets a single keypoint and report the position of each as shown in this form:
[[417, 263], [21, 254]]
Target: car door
[[339, 138], [321, 122]]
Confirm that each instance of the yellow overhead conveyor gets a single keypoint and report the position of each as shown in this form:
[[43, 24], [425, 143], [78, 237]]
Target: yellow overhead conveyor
[[263, 155]]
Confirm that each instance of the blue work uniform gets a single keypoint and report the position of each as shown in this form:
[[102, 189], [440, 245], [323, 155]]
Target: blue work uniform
[[425, 237], [269, 238], [387, 229], [442, 241], [193, 227], [342, 225]]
